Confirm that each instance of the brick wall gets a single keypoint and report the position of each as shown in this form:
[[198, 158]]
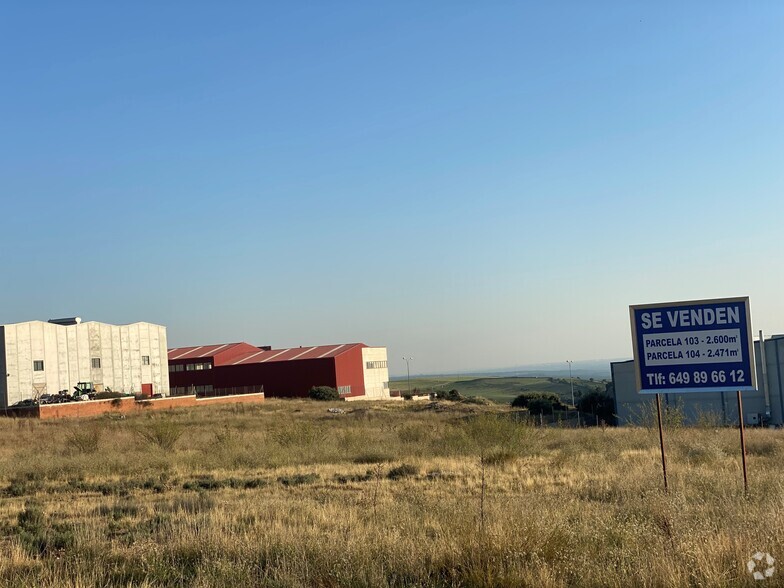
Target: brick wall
[[127, 406]]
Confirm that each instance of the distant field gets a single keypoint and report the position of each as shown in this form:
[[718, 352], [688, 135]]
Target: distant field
[[499, 389]]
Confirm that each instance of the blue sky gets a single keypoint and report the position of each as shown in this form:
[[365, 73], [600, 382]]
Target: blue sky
[[476, 185]]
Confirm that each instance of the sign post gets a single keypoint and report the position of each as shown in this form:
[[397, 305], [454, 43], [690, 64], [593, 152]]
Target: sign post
[[694, 346], [661, 441], [743, 447]]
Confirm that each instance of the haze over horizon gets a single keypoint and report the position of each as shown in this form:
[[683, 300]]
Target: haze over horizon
[[473, 186]]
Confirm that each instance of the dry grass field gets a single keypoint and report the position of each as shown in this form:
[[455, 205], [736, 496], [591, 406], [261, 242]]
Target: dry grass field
[[415, 494]]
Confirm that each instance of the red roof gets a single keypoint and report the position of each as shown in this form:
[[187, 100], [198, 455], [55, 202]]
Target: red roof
[[218, 353], [245, 353], [318, 352]]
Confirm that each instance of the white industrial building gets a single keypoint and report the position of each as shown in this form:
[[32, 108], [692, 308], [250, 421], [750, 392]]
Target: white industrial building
[[39, 358], [762, 406], [375, 373]]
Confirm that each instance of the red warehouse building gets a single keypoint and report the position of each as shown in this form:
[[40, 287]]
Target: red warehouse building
[[357, 371]]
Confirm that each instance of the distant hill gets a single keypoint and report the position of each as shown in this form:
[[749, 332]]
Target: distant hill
[[598, 369], [499, 389]]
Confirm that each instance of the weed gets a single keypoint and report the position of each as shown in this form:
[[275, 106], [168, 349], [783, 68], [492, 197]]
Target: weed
[[762, 447], [191, 505], [499, 457], [119, 510], [84, 439], [163, 433], [39, 537]]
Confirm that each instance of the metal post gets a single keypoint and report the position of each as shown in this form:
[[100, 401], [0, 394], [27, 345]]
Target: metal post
[[743, 445], [661, 441]]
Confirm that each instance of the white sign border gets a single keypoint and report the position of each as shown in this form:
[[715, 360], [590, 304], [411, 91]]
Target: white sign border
[[750, 342]]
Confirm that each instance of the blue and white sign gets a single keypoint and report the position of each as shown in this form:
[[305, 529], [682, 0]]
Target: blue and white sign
[[697, 346]]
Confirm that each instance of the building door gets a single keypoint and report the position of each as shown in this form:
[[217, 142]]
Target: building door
[[147, 390]]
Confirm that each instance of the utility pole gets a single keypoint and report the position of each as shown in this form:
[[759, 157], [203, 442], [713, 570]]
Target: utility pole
[[571, 385], [571, 382], [408, 372]]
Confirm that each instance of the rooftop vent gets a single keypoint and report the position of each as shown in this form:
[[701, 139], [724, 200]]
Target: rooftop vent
[[73, 320]]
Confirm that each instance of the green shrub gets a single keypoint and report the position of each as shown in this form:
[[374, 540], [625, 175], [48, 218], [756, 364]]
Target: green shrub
[[599, 404], [405, 470], [204, 483], [495, 438], [108, 394], [323, 393], [538, 402], [452, 395], [21, 487], [298, 479]]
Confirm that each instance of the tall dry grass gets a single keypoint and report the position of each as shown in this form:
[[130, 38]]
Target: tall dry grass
[[286, 494]]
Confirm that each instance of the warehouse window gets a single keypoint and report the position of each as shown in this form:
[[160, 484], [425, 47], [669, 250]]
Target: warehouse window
[[179, 368], [96, 362], [371, 365], [145, 360], [344, 390], [38, 365], [385, 385], [190, 367]]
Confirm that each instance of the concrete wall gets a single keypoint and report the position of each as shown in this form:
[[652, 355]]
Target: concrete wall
[[67, 352], [633, 408], [376, 378], [774, 382]]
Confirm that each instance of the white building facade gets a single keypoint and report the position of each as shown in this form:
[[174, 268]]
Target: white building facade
[[39, 357], [375, 373]]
